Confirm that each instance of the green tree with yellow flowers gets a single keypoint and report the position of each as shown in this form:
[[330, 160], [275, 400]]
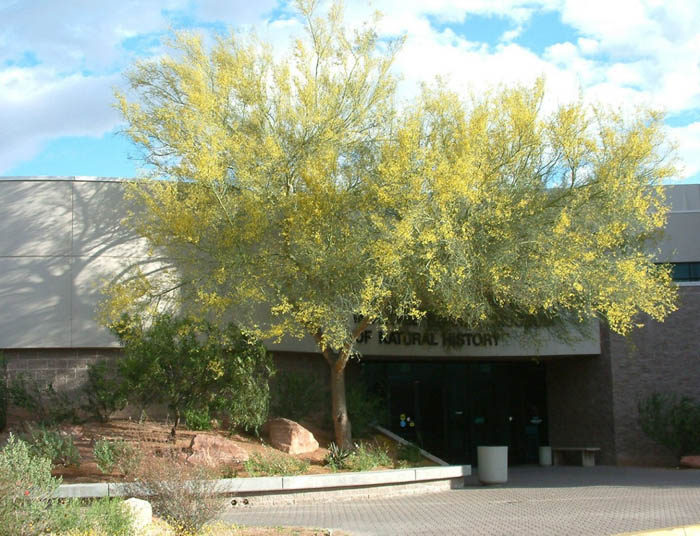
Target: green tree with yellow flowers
[[295, 193]]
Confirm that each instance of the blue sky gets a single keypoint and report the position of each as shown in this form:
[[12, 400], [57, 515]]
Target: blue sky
[[60, 61]]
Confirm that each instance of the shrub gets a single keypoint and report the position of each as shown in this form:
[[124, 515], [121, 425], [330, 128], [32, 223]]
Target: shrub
[[53, 445], [105, 391], [409, 453], [185, 363], [365, 409], [181, 494], [243, 395], [197, 419], [27, 506], [275, 464], [367, 456], [99, 517], [26, 486], [671, 421], [116, 454], [298, 395], [48, 406]]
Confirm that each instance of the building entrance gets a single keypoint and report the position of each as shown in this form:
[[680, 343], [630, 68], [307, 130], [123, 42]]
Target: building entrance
[[451, 408]]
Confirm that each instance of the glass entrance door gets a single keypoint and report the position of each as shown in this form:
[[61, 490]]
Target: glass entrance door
[[451, 408]]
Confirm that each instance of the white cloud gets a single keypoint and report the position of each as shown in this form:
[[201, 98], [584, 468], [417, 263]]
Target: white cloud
[[688, 139], [78, 34], [234, 12], [37, 105]]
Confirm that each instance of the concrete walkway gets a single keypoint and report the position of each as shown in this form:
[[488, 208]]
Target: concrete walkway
[[536, 501]]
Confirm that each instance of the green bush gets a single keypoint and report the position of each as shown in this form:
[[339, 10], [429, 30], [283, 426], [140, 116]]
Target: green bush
[[242, 397], [671, 421], [185, 363], [105, 391], [365, 409], [26, 486], [53, 445], [410, 454], [119, 455], [45, 404], [275, 464], [367, 456], [27, 506], [197, 419], [108, 517], [298, 395]]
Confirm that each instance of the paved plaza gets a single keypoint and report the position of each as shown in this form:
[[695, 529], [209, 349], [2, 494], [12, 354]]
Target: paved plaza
[[536, 501]]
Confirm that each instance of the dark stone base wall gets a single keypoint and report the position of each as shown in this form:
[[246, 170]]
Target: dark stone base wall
[[662, 357], [579, 400], [65, 369]]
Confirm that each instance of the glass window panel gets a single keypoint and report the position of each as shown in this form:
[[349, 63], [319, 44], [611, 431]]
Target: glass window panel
[[681, 271]]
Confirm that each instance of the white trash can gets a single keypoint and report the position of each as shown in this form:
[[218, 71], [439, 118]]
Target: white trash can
[[545, 456], [493, 464]]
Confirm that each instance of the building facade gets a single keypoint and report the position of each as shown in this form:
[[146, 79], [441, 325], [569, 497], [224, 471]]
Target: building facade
[[448, 389]]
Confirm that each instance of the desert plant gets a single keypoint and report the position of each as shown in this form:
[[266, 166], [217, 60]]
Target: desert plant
[[53, 445], [298, 395], [26, 486], [275, 464], [46, 405], [185, 363], [105, 391], [671, 421], [183, 495], [367, 456], [116, 454], [337, 457]]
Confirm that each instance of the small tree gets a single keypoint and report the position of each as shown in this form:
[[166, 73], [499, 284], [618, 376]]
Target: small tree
[[299, 195], [186, 363]]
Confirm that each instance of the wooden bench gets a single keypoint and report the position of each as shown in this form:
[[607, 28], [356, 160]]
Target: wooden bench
[[587, 454]]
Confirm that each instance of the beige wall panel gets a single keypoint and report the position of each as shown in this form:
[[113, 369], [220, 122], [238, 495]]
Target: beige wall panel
[[98, 211], [35, 296], [36, 218], [90, 277]]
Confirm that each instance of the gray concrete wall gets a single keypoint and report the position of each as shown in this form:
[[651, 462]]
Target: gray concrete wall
[[680, 242]]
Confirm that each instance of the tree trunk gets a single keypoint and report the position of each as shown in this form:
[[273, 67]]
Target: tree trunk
[[341, 423], [175, 423]]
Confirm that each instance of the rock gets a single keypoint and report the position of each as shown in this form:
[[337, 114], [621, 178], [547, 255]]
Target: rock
[[691, 461], [141, 513], [291, 437], [212, 451]]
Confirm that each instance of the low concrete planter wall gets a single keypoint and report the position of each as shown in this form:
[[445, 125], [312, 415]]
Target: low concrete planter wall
[[332, 486]]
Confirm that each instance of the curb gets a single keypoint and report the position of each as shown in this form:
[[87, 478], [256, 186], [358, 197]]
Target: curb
[[685, 530], [283, 484]]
